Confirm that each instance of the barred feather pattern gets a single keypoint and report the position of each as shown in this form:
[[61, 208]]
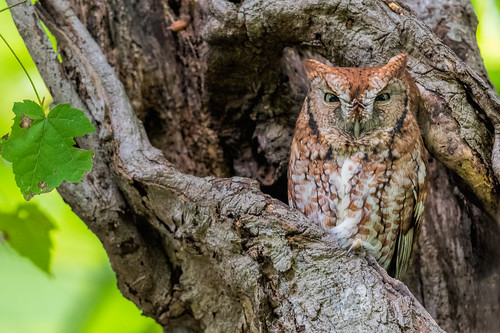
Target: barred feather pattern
[[368, 189]]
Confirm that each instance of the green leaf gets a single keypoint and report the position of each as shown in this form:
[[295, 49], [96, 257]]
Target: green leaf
[[41, 148], [27, 231]]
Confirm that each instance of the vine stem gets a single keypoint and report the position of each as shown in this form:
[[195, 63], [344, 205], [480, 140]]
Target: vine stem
[[24, 68], [12, 6]]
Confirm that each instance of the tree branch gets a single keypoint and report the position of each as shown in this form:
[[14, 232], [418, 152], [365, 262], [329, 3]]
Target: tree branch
[[216, 254]]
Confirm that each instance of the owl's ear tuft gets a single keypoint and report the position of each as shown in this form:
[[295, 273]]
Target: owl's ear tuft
[[313, 68], [396, 64]]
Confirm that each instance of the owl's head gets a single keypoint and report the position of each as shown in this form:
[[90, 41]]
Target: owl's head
[[357, 102]]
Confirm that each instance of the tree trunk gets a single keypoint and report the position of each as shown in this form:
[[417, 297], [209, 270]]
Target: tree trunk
[[177, 111]]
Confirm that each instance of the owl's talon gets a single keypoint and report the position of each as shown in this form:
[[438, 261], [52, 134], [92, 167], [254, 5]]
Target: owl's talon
[[355, 244]]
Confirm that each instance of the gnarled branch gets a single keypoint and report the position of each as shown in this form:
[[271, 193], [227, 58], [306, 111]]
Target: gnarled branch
[[216, 254]]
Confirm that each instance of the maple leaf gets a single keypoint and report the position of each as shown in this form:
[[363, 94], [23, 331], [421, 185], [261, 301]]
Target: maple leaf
[[27, 231], [41, 147]]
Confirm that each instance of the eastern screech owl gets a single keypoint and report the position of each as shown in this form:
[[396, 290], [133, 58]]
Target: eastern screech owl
[[358, 163]]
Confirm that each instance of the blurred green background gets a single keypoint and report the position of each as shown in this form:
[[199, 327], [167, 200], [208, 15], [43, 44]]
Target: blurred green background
[[488, 36], [81, 296]]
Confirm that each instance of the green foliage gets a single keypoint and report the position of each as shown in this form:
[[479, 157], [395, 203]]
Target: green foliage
[[41, 150], [82, 296], [488, 35], [53, 40], [27, 230]]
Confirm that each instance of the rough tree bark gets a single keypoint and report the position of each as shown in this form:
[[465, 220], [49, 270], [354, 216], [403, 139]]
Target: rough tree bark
[[178, 112]]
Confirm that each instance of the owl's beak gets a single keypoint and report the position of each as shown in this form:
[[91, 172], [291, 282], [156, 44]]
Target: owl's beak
[[357, 109], [356, 128]]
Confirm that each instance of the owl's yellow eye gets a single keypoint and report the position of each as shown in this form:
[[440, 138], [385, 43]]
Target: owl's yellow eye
[[383, 97], [330, 98]]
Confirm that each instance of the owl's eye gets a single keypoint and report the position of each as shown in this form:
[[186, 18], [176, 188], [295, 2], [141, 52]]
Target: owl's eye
[[330, 98], [383, 97]]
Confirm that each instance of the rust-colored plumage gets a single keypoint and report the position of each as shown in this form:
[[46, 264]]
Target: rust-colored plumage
[[357, 162]]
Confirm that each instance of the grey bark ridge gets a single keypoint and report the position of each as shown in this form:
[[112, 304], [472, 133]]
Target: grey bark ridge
[[217, 255]]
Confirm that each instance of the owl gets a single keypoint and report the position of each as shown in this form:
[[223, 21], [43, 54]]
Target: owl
[[357, 163]]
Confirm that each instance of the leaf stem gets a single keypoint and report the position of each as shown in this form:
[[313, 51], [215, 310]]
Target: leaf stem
[[14, 5], [25, 71]]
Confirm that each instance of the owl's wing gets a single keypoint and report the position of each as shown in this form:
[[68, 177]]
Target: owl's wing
[[410, 227]]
